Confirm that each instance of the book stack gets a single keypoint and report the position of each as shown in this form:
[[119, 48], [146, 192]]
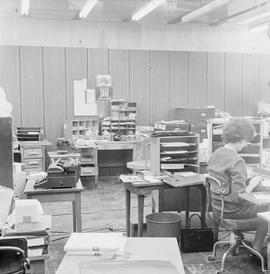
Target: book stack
[[37, 241], [182, 178]]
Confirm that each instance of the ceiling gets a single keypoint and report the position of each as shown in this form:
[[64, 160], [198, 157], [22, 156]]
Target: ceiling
[[235, 12]]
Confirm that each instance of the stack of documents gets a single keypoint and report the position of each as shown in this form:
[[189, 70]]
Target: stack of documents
[[183, 178], [95, 243]]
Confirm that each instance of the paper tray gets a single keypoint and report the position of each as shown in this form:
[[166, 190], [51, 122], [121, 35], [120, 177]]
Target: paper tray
[[127, 267]]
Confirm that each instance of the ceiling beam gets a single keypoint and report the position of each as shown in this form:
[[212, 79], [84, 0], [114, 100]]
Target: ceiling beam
[[204, 10], [225, 19]]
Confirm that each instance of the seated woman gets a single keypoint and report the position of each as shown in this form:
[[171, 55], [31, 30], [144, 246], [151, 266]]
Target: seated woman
[[229, 168]]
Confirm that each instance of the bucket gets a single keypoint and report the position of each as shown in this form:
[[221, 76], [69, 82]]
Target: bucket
[[163, 224]]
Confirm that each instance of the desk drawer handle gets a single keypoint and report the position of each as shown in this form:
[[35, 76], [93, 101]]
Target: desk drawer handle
[[33, 153], [33, 163]]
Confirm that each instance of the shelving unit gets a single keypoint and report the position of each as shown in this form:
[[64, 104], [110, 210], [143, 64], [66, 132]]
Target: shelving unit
[[176, 154], [252, 153], [122, 120], [82, 128], [89, 161]]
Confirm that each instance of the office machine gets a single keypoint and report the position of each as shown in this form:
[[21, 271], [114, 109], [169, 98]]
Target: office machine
[[61, 174]]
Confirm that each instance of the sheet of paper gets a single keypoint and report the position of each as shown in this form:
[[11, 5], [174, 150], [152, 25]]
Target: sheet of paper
[[262, 196], [84, 99], [95, 242], [6, 195]]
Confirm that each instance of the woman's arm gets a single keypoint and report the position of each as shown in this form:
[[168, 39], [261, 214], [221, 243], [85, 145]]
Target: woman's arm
[[238, 181]]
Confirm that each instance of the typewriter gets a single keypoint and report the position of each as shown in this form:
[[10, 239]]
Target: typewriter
[[62, 174]]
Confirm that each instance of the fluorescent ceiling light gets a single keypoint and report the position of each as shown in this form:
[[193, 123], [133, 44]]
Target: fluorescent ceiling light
[[260, 27], [147, 8], [255, 18], [204, 10], [25, 5], [88, 6]]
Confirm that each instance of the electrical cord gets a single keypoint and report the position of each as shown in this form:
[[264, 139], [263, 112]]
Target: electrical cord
[[110, 228], [98, 211]]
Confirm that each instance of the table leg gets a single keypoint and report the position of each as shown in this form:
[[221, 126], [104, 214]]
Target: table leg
[[268, 250], [96, 180], [203, 203], [127, 212], [77, 218], [187, 205], [140, 215]]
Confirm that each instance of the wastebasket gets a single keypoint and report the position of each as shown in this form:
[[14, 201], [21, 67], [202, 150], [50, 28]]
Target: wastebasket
[[163, 224]]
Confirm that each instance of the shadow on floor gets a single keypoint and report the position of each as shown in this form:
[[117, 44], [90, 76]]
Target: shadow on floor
[[103, 210]]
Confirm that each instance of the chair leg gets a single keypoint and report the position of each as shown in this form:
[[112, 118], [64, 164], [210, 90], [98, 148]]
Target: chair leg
[[232, 247], [256, 253], [212, 257], [215, 231]]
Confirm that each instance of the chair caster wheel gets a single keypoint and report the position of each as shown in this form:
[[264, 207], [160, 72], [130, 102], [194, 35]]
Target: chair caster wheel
[[219, 272], [211, 258]]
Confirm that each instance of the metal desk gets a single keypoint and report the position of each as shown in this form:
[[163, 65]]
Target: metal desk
[[145, 249], [142, 191], [59, 195]]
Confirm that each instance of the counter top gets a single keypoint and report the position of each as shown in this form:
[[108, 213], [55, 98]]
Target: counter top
[[35, 143]]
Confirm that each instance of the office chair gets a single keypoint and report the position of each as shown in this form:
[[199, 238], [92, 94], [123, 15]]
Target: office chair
[[235, 226], [144, 163], [13, 255]]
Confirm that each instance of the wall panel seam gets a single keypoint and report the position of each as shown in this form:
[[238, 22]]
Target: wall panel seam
[[169, 83], [65, 81], [188, 86], [43, 88], [20, 84]]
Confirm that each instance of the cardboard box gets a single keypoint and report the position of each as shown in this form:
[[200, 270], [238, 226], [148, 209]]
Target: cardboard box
[[194, 115]]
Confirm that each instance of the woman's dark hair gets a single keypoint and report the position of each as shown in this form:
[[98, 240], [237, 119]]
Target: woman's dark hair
[[238, 129]]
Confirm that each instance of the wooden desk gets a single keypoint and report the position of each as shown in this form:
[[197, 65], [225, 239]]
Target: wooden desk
[[142, 191], [159, 249], [59, 195], [37, 265], [114, 155], [251, 197]]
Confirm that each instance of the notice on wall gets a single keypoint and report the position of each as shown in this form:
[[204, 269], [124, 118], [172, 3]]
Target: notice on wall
[[84, 99]]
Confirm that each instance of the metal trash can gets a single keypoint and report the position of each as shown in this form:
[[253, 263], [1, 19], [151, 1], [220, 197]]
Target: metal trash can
[[163, 224]]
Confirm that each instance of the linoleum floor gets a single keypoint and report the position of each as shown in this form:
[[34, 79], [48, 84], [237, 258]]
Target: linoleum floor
[[103, 208]]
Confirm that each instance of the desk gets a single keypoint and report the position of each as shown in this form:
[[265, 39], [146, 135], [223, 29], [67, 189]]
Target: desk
[[54, 156], [142, 191], [165, 249], [114, 155], [59, 195], [251, 197], [37, 265]]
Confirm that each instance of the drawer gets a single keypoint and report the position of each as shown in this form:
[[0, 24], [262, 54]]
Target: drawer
[[32, 153], [88, 171], [33, 170], [33, 163]]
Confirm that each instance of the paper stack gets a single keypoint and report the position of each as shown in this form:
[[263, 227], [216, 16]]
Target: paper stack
[[183, 178], [95, 243], [37, 241]]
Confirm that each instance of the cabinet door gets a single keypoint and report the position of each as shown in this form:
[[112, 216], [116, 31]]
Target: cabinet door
[[6, 159]]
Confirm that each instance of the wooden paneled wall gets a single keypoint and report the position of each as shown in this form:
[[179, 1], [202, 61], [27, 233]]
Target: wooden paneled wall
[[39, 81]]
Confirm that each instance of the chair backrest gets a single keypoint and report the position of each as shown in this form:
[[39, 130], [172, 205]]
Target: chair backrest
[[213, 185], [13, 255]]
